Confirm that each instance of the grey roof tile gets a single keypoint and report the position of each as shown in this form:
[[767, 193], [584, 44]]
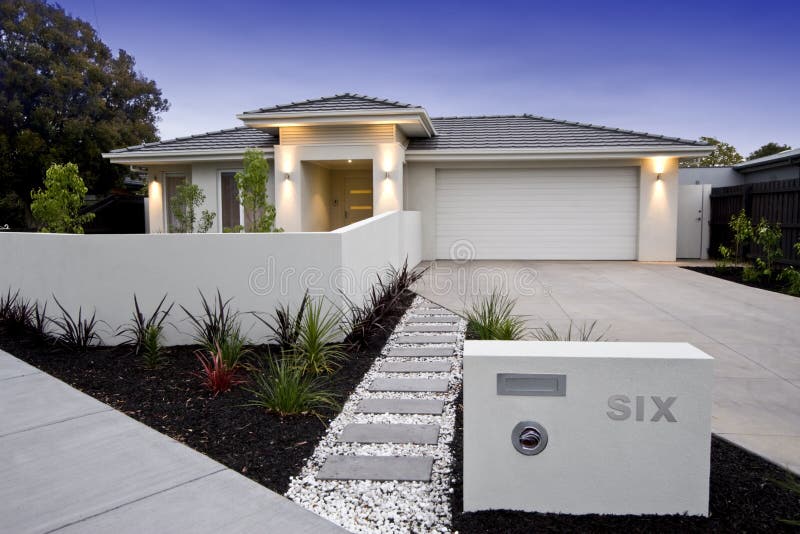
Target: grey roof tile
[[233, 138], [532, 132], [341, 102], [786, 155]]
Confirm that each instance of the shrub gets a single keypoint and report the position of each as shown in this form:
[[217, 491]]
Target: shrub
[[316, 347], [57, 207], [367, 321], [189, 197], [586, 332], [768, 237], [151, 348], [283, 387], [726, 258], [7, 304], [259, 213], [791, 277], [213, 327], [284, 324], [17, 312], [140, 327], [38, 321], [77, 334], [492, 317], [215, 375], [742, 228]]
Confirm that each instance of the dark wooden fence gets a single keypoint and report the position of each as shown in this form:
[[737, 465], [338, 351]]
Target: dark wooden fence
[[778, 202]]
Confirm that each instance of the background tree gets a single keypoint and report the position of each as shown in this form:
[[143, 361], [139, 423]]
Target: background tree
[[259, 213], [189, 197], [768, 150], [724, 155], [64, 97], [57, 207]]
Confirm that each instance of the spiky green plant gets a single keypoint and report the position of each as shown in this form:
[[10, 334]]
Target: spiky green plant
[[285, 324], [151, 349], [282, 386], [317, 346], [233, 347], [492, 317], [584, 332]]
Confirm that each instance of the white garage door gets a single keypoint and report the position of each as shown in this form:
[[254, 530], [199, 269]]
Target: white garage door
[[554, 214]]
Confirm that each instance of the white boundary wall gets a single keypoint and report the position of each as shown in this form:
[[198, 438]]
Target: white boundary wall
[[259, 271]]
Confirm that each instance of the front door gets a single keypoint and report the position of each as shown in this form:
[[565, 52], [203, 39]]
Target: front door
[[357, 199]]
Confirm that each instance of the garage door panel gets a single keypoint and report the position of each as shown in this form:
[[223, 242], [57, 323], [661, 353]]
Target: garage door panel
[[538, 213]]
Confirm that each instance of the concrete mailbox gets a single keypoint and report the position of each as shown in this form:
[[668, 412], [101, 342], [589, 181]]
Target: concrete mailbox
[[582, 428]]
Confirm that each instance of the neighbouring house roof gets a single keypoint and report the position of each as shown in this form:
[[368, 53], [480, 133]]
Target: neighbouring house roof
[[788, 157], [231, 139], [340, 102], [532, 132]]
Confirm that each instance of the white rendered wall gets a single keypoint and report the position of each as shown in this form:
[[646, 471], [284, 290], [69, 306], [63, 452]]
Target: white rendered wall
[[658, 211], [103, 272], [598, 459]]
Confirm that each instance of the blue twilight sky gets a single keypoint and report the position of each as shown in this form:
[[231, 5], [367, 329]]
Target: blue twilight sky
[[726, 69]]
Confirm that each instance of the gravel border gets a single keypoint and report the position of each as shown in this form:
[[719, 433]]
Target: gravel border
[[365, 506]]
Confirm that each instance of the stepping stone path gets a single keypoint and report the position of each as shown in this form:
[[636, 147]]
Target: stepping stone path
[[393, 430]]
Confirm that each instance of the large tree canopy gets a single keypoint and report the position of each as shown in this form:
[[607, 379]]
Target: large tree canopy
[[724, 155], [768, 150], [64, 97]]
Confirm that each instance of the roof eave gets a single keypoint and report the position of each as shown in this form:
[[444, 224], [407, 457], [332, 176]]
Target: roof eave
[[179, 156], [288, 118], [680, 152]]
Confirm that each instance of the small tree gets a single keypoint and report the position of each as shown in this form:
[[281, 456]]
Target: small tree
[[768, 150], [724, 155], [57, 207], [189, 197], [259, 213]]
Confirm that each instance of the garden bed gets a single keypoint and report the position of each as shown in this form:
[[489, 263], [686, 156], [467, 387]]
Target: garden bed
[[734, 274], [744, 498], [261, 445]]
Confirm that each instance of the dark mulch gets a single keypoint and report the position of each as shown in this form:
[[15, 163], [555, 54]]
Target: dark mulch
[[743, 498], [734, 274], [263, 446]]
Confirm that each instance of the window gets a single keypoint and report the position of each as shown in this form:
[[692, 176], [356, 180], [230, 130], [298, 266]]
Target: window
[[171, 183], [229, 195]]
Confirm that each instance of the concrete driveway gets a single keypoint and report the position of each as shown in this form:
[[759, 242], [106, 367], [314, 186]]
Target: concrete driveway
[[753, 334]]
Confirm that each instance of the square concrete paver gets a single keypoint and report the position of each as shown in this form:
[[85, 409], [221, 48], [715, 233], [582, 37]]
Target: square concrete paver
[[410, 366], [420, 352], [390, 433], [401, 468], [423, 339], [401, 406], [439, 385]]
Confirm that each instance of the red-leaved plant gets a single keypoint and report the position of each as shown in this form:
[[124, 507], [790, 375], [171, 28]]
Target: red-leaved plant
[[216, 375]]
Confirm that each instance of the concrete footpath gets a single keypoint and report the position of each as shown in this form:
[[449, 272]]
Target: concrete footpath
[[69, 463]]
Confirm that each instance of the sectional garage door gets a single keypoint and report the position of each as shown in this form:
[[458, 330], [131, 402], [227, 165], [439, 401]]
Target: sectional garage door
[[575, 214]]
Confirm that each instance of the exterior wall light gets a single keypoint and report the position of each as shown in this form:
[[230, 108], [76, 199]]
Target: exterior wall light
[[387, 176], [287, 176], [659, 165]]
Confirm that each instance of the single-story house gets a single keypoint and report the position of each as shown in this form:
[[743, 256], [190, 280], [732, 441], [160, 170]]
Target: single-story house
[[487, 187]]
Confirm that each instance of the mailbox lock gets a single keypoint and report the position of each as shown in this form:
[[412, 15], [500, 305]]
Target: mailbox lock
[[529, 438]]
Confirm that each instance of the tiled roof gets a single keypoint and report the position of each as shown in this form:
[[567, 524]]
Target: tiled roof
[[342, 102], [786, 155], [532, 132], [233, 138]]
